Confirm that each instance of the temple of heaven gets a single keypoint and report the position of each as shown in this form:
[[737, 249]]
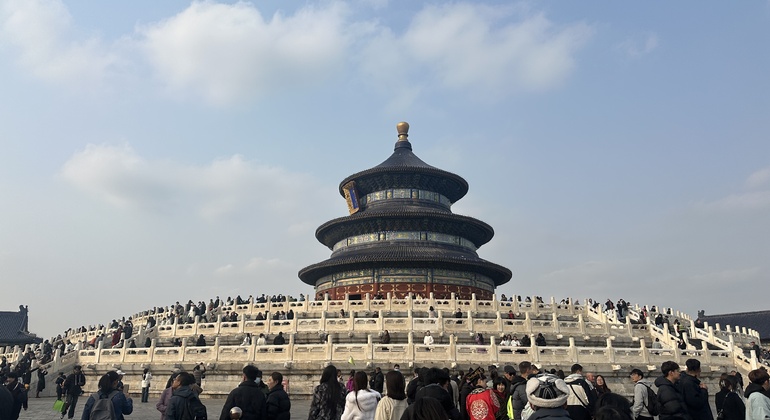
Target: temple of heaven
[[401, 236]]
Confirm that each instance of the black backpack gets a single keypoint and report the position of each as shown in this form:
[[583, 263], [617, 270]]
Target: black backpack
[[653, 405], [194, 409]]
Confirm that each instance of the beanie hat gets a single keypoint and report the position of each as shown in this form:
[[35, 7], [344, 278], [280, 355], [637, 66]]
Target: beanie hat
[[547, 391]]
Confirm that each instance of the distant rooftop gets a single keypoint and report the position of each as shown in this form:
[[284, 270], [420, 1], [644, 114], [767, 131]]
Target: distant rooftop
[[14, 328], [757, 320]]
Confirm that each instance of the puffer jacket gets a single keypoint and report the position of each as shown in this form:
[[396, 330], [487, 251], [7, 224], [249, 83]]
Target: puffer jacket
[[278, 404], [361, 405], [672, 406], [518, 396]]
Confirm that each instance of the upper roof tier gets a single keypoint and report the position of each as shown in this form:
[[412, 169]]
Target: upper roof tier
[[403, 169]]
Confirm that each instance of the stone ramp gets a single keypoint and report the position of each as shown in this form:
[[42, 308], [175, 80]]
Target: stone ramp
[[41, 409]]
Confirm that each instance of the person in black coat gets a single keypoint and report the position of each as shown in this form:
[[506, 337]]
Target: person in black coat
[[696, 395], [437, 386], [59, 382], [18, 394], [728, 401], [378, 380], [248, 396], [672, 405], [278, 403]]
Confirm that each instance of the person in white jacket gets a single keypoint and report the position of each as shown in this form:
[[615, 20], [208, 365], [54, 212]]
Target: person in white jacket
[[757, 403], [428, 340], [361, 403]]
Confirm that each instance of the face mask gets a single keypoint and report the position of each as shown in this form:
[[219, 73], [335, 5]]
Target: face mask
[[258, 380]]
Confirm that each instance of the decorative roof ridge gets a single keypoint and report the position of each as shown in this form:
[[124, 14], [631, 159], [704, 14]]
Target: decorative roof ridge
[[762, 312]]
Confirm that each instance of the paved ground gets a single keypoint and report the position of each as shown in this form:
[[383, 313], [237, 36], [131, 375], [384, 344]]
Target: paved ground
[[42, 409]]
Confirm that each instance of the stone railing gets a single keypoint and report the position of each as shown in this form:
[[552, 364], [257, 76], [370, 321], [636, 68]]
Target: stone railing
[[450, 354], [323, 315], [522, 323]]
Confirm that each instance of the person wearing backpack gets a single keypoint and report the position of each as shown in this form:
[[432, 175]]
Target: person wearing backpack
[[645, 400], [582, 399], [184, 403], [108, 403]]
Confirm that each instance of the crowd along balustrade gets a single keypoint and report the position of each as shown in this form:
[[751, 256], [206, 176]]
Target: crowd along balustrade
[[407, 316]]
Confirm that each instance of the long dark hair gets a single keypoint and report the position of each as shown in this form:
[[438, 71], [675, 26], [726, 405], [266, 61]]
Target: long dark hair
[[106, 381], [360, 383], [329, 377], [395, 385]]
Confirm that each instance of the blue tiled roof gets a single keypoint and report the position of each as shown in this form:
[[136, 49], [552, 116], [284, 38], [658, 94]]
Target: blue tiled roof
[[13, 328], [757, 320]]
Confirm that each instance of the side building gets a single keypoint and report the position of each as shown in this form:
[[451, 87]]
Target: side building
[[14, 329], [401, 236]]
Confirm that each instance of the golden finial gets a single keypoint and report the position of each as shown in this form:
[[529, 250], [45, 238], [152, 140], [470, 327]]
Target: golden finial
[[403, 131]]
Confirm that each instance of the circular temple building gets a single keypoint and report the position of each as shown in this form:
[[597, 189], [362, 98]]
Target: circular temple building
[[401, 236]]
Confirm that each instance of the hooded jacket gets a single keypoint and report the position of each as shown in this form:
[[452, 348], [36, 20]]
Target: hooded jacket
[[671, 401], [581, 400], [757, 403], [178, 401], [640, 399], [518, 396]]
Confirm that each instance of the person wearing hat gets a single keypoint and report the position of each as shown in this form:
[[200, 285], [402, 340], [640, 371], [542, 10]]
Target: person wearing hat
[[248, 396], [547, 396], [121, 374], [475, 381], [481, 404]]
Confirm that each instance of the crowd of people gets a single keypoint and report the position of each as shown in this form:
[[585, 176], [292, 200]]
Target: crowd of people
[[378, 393], [530, 393]]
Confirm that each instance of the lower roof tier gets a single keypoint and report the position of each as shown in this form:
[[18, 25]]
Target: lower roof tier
[[406, 256]]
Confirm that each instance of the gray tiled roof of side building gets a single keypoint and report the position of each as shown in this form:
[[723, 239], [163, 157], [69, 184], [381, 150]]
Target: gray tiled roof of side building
[[757, 320]]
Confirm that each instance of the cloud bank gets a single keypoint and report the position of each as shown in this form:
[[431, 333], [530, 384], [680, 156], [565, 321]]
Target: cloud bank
[[230, 53], [224, 188]]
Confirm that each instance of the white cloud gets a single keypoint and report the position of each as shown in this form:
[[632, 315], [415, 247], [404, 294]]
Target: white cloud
[[224, 188], [41, 30], [633, 48], [753, 200], [228, 53], [464, 47], [757, 198], [759, 178]]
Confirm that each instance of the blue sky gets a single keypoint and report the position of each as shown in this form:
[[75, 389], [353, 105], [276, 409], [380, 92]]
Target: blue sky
[[160, 151]]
